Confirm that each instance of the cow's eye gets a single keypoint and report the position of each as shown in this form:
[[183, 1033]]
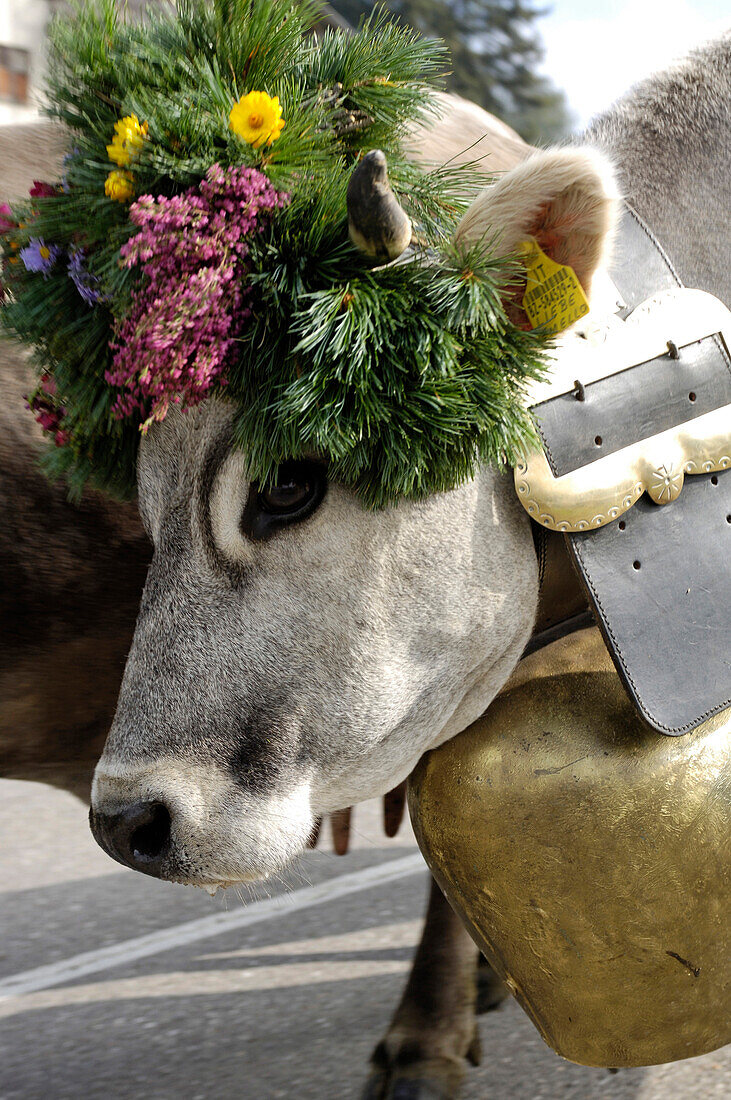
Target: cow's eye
[[296, 493], [293, 490]]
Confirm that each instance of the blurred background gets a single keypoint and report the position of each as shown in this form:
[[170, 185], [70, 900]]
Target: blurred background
[[545, 69]]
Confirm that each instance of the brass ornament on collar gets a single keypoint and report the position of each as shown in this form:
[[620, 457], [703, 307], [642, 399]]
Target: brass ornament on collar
[[588, 857], [594, 495]]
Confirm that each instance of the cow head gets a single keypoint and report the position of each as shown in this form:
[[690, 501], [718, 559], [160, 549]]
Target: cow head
[[295, 652]]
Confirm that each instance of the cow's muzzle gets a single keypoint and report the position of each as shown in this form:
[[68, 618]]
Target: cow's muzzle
[[138, 836]]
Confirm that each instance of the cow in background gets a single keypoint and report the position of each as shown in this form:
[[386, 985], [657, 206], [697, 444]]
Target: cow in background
[[71, 573]]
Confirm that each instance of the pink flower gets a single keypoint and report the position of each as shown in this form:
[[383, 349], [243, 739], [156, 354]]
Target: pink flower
[[7, 221], [48, 384], [180, 336]]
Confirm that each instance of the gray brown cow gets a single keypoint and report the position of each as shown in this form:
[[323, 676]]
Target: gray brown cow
[[73, 575], [273, 680]]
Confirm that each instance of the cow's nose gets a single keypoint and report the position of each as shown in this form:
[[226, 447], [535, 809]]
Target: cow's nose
[[139, 836]]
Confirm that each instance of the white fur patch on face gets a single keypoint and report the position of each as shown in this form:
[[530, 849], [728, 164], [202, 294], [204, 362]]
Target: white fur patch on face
[[227, 501], [220, 833], [171, 456]]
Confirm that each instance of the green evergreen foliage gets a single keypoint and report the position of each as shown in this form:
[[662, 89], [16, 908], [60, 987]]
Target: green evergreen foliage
[[403, 377], [495, 55]]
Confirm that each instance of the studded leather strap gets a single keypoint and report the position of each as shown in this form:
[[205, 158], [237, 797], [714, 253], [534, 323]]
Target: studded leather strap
[[659, 579]]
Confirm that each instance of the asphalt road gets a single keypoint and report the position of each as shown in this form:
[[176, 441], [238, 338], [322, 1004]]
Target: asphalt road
[[281, 995]]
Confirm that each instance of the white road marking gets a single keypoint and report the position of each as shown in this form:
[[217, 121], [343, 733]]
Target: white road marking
[[188, 984], [119, 954]]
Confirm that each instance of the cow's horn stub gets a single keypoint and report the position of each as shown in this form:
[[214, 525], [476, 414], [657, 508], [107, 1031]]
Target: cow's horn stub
[[376, 223]]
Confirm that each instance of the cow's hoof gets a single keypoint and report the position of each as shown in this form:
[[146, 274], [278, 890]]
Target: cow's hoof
[[379, 1087], [491, 990], [408, 1073]]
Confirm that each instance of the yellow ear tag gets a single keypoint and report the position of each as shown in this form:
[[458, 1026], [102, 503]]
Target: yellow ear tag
[[553, 296]]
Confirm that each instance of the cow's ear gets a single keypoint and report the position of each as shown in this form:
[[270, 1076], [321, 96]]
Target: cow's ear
[[565, 199]]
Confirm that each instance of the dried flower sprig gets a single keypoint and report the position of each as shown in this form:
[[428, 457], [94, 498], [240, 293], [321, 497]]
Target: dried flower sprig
[[177, 340]]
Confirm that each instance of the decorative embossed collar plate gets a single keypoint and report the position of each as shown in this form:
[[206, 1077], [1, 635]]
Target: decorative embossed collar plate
[[600, 491]]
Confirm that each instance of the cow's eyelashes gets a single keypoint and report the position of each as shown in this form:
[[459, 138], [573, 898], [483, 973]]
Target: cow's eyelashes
[[295, 494]]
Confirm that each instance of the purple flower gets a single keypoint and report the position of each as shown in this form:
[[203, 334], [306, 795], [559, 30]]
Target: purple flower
[[86, 283], [39, 256], [180, 336]]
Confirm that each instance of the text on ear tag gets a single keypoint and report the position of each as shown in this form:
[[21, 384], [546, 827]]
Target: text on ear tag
[[553, 298]]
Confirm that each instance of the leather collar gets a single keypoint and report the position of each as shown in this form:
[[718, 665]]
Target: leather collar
[[639, 269]]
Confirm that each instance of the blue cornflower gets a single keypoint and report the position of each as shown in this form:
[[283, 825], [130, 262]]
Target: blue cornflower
[[67, 159], [83, 280]]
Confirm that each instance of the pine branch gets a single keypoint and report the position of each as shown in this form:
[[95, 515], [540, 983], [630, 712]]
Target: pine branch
[[403, 377]]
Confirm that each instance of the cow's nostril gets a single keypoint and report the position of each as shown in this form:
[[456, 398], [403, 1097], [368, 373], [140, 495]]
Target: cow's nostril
[[149, 840], [139, 836]]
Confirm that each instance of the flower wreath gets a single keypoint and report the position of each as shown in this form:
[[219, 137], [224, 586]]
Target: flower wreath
[[199, 244]]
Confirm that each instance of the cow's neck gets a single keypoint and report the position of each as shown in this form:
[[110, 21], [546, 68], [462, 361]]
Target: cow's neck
[[670, 139]]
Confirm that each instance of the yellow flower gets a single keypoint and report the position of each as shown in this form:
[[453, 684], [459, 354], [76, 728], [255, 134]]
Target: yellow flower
[[257, 118], [128, 140], [119, 186]]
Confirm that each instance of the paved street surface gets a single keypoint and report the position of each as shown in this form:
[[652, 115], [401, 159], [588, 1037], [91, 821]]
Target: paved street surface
[[283, 996]]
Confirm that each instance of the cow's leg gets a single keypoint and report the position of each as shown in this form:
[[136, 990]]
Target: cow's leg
[[433, 1034]]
